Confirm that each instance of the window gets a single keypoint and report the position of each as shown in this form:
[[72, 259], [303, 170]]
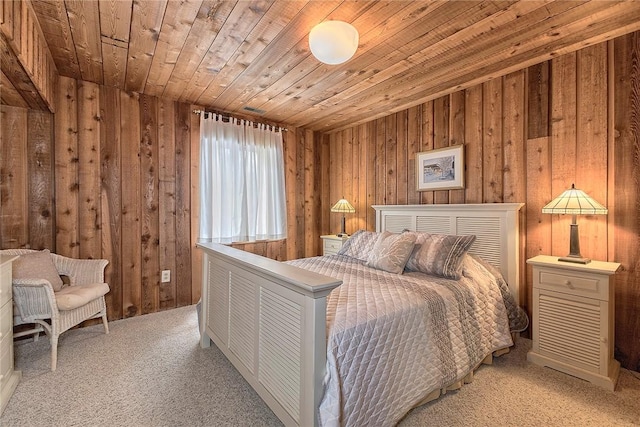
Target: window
[[242, 191]]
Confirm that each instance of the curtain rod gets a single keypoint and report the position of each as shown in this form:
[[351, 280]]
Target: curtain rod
[[227, 116]]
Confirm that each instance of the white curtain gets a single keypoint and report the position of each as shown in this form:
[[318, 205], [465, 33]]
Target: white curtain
[[242, 193]]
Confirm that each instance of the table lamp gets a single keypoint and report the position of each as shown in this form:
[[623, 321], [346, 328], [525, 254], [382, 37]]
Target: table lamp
[[342, 206], [574, 202]]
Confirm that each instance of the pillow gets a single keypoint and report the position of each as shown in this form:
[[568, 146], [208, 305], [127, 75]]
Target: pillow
[[438, 254], [37, 265], [391, 251], [359, 245]]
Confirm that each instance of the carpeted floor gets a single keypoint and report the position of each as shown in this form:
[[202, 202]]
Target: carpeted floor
[[150, 371]]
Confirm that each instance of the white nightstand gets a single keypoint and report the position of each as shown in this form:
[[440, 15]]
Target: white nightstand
[[573, 318], [331, 244]]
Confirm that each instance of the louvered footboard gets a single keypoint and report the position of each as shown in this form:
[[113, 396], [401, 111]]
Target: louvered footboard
[[269, 319]]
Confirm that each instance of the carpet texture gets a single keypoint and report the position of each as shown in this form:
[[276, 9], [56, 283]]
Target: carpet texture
[[150, 371]]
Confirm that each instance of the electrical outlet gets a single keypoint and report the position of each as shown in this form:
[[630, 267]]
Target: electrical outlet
[[166, 276]]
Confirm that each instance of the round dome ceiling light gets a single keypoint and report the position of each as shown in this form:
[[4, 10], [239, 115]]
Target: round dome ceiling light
[[333, 42]]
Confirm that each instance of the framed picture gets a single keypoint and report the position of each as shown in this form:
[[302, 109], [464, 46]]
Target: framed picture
[[441, 169]]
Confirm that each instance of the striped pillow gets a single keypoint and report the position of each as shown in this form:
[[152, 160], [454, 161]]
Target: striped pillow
[[438, 254]]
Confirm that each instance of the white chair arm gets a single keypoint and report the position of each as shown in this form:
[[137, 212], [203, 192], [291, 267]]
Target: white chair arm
[[34, 299], [32, 282], [81, 271]]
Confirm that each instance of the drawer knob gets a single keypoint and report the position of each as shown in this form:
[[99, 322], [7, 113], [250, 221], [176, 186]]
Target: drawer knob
[[568, 284]]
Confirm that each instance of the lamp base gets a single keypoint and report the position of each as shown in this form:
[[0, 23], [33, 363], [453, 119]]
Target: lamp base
[[574, 259], [342, 232], [574, 246]]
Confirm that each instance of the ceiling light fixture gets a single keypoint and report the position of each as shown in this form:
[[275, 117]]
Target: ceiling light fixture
[[333, 42]]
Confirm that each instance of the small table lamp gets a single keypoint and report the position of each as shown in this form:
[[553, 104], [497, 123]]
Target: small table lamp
[[574, 202], [342, 206]]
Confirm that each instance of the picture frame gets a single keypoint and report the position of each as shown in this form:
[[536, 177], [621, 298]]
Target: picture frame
[[440, 169]]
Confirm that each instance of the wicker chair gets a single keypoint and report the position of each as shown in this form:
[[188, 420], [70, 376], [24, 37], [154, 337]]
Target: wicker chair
[[36, 302]]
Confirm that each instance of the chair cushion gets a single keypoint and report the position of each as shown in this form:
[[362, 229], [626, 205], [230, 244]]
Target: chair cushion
[[71, 297], [37, 265]]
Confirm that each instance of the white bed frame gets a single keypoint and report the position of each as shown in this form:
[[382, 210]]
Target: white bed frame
[[269, 318]]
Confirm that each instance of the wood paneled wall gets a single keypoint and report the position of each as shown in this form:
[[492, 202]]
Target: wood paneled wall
[[27, 212], [124, 171], [528, 136]]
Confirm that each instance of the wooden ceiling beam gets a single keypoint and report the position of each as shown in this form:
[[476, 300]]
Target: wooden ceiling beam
[[18, 77], [9, 94], [26, 60]]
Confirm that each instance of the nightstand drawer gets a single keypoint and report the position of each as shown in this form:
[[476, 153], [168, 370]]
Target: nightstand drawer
[[591, 286], [332, 245]]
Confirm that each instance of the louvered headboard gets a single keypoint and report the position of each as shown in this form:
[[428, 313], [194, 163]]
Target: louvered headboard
[[495, 225]]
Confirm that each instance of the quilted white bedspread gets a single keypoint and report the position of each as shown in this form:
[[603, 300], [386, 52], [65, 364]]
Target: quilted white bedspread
[[393, 339]]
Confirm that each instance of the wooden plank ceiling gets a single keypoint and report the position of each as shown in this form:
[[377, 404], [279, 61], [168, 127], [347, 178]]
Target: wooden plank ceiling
[[229, 55]]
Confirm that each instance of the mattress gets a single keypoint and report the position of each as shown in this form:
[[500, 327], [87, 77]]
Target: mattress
[[394, 338]]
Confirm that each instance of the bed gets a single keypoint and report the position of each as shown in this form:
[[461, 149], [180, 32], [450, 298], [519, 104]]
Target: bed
[[270, 319]]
